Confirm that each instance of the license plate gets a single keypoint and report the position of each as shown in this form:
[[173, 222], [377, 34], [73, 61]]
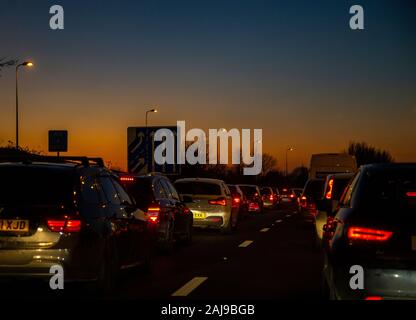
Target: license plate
[[198, 215], [14, 225], [414, 243]]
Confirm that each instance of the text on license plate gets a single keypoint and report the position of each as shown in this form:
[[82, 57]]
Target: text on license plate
[[14, 225], [198, 215]]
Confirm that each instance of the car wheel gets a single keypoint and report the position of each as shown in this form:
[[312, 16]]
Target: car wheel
[[228, 228], [167, 243]]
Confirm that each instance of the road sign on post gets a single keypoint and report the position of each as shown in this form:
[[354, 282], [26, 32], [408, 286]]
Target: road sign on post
[[58, 141], [141, 147]]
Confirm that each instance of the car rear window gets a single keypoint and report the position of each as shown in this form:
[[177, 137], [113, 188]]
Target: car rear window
[[233, 189], [141, 191], [198, 187], [314, 189], [339, 187], [266, 191], [36, 186], [248, 190], [390, 191]]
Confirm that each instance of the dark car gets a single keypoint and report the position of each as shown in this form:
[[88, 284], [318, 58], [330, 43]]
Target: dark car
[[155, 195], [253, 196], [288, 196], [239, 200], [311, 194], [69, 212], [374, 230], [269, 197]]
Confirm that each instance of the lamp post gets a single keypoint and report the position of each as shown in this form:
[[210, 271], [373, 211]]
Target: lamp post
[[24, 64], [154, 110], [288, 150]]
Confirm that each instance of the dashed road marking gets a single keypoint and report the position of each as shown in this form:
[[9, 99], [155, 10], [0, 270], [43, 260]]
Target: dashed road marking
[[245, 243], [189, 287], [264, 229]]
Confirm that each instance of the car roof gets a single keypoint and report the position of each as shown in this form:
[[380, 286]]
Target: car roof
[[207, 180], [40, 165], [386, 166], [248, 185]]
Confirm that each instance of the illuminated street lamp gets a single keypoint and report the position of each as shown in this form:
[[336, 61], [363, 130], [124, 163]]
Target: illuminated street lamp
[[24, 64], [288, 150], [150, 111]]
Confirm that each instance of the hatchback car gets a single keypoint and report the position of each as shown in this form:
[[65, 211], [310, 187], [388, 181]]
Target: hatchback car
[[269, 197], [253, 196], [312, 193], [375, 229], [70, 212], [155, 195], [239, 200], [210, 202]]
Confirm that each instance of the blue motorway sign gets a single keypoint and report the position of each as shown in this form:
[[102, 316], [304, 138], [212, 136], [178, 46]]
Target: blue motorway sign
[[140, 148]]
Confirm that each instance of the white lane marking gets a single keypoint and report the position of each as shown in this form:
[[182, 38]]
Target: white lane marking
[[189, 287], [245, 243], [264, 229], [278, 221], [288, 216]]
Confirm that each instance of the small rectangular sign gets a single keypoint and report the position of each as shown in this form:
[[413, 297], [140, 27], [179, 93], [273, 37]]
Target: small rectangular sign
[[58, 140]]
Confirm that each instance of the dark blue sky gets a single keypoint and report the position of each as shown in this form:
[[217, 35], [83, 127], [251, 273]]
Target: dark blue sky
[[293, 68]]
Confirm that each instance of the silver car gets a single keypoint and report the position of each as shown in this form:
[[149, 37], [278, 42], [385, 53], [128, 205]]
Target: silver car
[[210, 202]]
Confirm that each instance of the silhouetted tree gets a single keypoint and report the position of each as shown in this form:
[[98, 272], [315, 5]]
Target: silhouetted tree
[[299, 176], [6, 63], [366, 154], [269, 163]]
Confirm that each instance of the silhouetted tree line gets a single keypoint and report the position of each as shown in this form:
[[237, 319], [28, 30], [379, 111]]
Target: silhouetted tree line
[[366, 154]]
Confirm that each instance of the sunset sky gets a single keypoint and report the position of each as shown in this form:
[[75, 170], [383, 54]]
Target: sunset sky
[[292, 68]]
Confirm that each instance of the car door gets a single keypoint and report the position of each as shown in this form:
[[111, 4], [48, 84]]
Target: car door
[[137, 226], [167, 207], [118, 218], [181, 215]]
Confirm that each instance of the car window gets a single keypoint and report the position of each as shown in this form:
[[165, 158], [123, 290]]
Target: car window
[[226, 190], [348, 192], [124, 197], [198, 187], [160, 192], [89, 190], [110, 191], [166, 188], [172, 190]]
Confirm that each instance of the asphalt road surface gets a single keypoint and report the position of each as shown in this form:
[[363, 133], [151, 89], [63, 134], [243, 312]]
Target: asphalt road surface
[[270, 256]]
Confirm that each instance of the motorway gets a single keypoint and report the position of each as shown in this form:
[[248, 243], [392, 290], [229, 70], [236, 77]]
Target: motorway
[[270, 256]]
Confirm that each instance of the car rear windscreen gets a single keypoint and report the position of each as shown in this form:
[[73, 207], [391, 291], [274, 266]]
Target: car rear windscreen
[[198, 187], [141, 191], [248, 190], [28, 185], [339, 187], [314, 189], [266, 191], [392, 191]]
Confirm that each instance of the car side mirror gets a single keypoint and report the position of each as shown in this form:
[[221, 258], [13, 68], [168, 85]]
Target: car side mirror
[[187, 199]]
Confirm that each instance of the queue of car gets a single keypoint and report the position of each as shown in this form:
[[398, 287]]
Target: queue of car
[[95, 223]]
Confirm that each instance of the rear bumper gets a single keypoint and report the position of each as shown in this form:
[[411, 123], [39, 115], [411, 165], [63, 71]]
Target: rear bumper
[[209, 222], [389, 284], [37, 264]]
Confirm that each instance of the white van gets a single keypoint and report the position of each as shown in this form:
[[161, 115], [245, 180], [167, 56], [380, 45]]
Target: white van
[[323, 164]]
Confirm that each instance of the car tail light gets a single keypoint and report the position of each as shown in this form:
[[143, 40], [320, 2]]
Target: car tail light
[[126, 179], [411, 194], [328, 195], [292, 196], [218, 202], [375, 298], [366, 234], [271, 198], [153, 213], [303, 202], [236, 201], [64, 225]]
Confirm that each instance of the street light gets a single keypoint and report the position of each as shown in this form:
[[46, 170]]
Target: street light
[[150, 111], [24, 64], [288, 150], [147, 136]]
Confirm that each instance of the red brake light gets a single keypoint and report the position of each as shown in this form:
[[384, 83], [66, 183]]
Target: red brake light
[[236, 200], [64, 225], [366, 234], [411, 194], [153, 213], [292, 195], [219, 202], [328, 195], [375, 298], [271, 198], [126, 179]]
